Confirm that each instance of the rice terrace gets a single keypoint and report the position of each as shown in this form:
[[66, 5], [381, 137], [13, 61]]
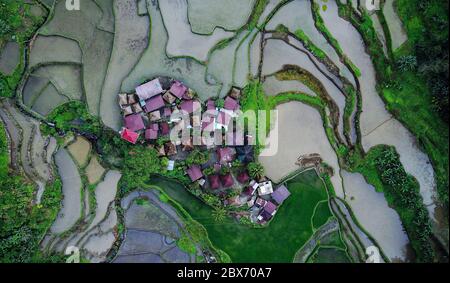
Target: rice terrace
[[212, 131]]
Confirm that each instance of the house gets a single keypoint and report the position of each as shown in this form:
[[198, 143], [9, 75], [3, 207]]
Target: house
[[149, 90], [280, 194], [169, 98], [265, 188], [132, 99], [165, 128], [214, 182], [178, 89], [264, 217], [134, 122], [136, 108], [190, 106], [167, 112], [161, 151], [243, 177], [260, 202], [122, 99], [195, 173], [154, 116], [235, 93], [170, 165], [127, 110], [210, 105], [189, 94], [249, 191], [225, 155], [231, 104], [270, 208], [170, 148], [152, 132], [227, 180], [154, 103], [129, 135]]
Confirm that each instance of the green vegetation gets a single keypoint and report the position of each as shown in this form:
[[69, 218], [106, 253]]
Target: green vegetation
[[329, 255], [186, 244], [320, 25], [255, 170], [16, 24], [382, 168], [287, 232], [22, 223], [402, 192], [321, 214], [301, 35]]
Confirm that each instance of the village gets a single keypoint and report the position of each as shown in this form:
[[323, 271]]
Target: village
[[154, 110]]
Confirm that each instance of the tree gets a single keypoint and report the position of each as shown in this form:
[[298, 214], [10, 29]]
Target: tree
[[219, 214], [407, 63], [256, 170], [197, 157], [139, 164]]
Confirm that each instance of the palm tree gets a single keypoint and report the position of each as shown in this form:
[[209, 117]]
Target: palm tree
[[219, 214], [255, 170]]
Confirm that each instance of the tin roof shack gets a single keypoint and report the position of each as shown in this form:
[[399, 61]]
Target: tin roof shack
[[152, 132], [195, 173], [265, 188], [148, 90], [154, 103], [178, 89], [214, 182], [134, 122]]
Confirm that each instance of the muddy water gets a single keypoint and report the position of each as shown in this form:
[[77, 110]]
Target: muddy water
[[71, 205], [297, 15], [377, 125], [374, 214], [300, 131], [182, 42], [277, 53], [398, 34]]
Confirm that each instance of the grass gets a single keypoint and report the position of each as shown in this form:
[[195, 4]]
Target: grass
[[321, 214], [241, 241], [329, 255]]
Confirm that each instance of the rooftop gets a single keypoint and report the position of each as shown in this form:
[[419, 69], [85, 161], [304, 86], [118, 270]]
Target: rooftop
[[148, 90], [134, 122]]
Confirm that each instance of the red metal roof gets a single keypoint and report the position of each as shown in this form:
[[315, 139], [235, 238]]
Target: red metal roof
[[129, 136]]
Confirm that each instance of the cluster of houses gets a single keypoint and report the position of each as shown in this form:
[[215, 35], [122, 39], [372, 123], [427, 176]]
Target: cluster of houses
[[148, 113]]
